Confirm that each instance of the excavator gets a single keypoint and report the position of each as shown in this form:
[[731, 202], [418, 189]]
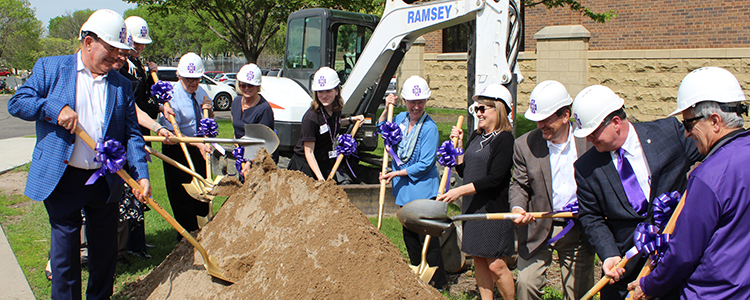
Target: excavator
[[366, 51]]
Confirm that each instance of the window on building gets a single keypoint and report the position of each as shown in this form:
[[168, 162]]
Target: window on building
[[455, 39]]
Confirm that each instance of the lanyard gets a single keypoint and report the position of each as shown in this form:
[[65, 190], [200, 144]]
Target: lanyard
[[330, 130]]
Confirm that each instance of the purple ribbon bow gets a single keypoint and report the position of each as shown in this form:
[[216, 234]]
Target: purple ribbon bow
[[664, 206], [391, 134], [239, 155], [162, 90], [448, 155], [207, 127], [348, 147], [569, 223], [111, 154], [649, 241]]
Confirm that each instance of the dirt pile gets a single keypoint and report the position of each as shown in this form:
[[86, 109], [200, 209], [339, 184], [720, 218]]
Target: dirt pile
[[284, 236]]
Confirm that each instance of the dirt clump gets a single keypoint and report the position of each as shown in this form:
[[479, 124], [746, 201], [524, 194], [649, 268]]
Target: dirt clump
[[13, 183], [283, 235]]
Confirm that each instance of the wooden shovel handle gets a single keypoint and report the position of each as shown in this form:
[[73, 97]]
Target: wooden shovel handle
[[447, 170], [341, 155], [605, 280], [381, 197]]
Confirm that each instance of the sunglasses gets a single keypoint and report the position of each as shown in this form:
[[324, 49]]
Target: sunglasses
[[482, 108], [690, 123]]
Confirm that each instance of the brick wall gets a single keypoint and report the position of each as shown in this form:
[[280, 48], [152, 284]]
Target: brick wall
[[665, 24], [433, 41]]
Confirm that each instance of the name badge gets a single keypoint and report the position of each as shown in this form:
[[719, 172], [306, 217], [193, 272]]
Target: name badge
[[332, 154], [323, 128]]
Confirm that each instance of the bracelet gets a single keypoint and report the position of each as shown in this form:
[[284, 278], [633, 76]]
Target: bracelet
[[350, 119], [153, 127], [160, 128]]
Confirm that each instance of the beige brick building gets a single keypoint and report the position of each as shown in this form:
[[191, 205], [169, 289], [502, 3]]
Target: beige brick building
[[642, 54]]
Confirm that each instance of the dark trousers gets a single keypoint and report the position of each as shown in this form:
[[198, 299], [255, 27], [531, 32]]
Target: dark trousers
[[184, 207], [64, 209], [137, 238], [414, 242]]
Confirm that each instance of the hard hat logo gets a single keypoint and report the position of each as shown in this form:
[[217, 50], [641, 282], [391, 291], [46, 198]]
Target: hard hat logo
[[191, 68], [578, 121], [250, 76], [532, 106], [123, 35], [144, 31], [416, 91], [322, 81]]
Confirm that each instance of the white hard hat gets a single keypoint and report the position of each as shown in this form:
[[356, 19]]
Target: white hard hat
[[415, 88], [129, 40], [138, 27], [546, 98], [190, 66], [708, 84], [496, 91], [591, 106], [108, 26], [250, 74], [325, 79]]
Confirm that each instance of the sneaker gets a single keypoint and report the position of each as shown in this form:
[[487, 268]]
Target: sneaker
[[141, 254]]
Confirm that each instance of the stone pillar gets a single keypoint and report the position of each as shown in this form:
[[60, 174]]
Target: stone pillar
[[562, 55]]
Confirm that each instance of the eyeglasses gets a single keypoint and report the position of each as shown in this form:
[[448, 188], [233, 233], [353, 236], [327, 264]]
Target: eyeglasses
[[482, 108], [689, 123], [107, 47]]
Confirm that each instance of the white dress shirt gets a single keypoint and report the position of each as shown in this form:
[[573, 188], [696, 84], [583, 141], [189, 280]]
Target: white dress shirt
[[91, 101], [561, 159], [636, 157]]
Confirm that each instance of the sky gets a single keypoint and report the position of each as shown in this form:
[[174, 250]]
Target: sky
[[48, 9]]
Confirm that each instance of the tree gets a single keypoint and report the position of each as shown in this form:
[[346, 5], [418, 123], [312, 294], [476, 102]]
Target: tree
[[19, 33], [575, 6], [176, 32], [68, 25], [248, 25]]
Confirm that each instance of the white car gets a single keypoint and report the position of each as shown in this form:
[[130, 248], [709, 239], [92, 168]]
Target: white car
[[221, 94]]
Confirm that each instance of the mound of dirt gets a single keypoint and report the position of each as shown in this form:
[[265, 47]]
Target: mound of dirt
[[283, 235]]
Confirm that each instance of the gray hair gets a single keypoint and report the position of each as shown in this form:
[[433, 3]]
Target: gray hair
[[706, 108]]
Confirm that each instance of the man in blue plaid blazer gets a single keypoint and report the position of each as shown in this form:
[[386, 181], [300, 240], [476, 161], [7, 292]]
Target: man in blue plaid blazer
[[62, 93]]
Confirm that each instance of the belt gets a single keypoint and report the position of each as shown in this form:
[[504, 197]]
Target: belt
[[559, 223]]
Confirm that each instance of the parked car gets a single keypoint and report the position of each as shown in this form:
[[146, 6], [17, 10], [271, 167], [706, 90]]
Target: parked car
[[5, 73], [227, 78], [213, 74], [221, 94], [391, 87]]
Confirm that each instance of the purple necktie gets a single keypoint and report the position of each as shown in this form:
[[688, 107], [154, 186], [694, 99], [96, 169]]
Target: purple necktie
[[630, 183]]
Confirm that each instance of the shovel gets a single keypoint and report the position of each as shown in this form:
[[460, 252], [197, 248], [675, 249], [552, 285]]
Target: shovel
[[195, 192], [341, 155], [431, 217], [381, 199], [246, 140], [210, 214], [424, 270], [209, 261]]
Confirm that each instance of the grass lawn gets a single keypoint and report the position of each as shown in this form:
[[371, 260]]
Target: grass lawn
[[26, 224]]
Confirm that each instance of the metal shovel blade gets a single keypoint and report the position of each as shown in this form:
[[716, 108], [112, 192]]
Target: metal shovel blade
[[425, 216], [259, 132]]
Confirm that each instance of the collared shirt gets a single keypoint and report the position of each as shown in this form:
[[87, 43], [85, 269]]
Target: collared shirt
[[636, 157], [184, 109], [561, 159], [91, 101]]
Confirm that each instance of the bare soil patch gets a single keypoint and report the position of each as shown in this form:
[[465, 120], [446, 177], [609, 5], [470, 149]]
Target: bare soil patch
[[13, 183]]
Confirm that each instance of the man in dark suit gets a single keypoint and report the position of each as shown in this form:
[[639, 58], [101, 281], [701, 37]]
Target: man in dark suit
[[62, 93], [631, 164], [543, 180]]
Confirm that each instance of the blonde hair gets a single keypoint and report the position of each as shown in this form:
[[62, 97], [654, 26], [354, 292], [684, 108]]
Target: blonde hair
[[503, 123], [337, 105]]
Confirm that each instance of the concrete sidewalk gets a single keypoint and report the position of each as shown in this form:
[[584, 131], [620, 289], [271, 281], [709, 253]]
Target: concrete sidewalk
[[13, 284]]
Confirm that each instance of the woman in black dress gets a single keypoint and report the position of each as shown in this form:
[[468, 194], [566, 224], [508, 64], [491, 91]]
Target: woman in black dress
[[485, 167]]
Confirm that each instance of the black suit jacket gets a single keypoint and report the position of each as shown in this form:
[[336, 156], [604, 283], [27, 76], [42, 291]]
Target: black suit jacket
[[604, 210]]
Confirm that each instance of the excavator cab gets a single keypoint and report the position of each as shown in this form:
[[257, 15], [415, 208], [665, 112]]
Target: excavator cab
[[325, 37]]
